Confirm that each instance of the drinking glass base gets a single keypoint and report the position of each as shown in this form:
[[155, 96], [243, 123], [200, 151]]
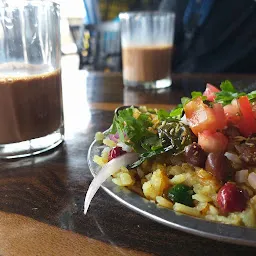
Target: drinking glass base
[[158, 84], [32, 147]]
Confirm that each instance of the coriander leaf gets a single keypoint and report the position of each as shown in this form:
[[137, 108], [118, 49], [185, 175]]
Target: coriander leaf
[[162, 114], [185, 100], [252, 96], [177, 112], [145, 156], [120, 132], [152, 143], [227, 86], [225, 97], [228, 93], [204, 98], [196, 94], [174, 137], [135, 129]]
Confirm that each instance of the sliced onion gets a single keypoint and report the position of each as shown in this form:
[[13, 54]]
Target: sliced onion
[[233, 157], [252, 179], [114, 137], [124, 147], [184, 120], [241, 176], [107, 170]]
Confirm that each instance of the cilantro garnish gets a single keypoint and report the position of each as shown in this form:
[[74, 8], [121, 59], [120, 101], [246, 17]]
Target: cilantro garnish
[[162, 114], [167, 116], [177, 112], [137, 132], [174, 136], [170, 136], [135, 129], [227, 93], [185, 100], [227, 86], [225, 96], [252, 96], [196, 94]]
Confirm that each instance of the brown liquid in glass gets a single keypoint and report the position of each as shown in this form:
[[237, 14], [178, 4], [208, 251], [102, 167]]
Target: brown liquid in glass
[[30, 102], [146, 63]]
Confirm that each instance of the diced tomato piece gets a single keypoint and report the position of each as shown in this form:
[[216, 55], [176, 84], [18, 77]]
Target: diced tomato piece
[[247, 124], [232, 112], [219, 115], [210, 92], [201, 117], [212, 142]]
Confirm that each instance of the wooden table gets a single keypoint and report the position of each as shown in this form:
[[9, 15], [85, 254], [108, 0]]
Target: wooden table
[[41, 198]]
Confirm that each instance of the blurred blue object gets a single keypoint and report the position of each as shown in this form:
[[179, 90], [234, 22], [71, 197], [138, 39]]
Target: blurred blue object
[[116, 19], [92, 12]]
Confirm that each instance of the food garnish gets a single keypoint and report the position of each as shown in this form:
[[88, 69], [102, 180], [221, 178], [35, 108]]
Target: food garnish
[[198, 159], [110, 168]]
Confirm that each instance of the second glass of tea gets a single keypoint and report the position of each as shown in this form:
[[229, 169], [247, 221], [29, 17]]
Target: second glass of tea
[[147, 43]]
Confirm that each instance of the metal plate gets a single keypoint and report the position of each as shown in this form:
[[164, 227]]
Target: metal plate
[[196, 226]]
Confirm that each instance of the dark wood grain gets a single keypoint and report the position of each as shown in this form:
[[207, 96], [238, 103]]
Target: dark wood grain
[[47, 191]]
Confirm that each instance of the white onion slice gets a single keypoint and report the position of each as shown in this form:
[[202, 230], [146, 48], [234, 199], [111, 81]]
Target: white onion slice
[[241, 176], [233, 157], [124, 147], [184, 120], [252, 179], [107, 170]]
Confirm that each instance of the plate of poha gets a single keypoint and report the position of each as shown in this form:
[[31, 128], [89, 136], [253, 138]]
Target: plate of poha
[[192, 168]]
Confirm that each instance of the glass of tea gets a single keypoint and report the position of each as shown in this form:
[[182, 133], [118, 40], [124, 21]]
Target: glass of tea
[[147, 43], [31, 115]]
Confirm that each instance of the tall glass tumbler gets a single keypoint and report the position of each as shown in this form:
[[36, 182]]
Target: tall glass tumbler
[[31, 115], [147, 42]]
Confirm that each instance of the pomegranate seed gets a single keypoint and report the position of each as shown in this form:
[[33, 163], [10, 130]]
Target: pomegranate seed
[[231, 198], [115, 152]]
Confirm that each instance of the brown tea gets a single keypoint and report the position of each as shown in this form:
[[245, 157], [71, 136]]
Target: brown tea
[[146, 63], [30, 102]]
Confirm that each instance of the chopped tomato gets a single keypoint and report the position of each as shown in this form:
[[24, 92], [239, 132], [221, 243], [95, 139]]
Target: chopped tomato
[[201, 117], [219, 115], [210, 92], [232, 112], [247, 124], [212, 142]]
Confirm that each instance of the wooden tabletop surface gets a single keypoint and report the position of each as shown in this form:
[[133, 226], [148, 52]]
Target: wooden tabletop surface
[[41, 198]]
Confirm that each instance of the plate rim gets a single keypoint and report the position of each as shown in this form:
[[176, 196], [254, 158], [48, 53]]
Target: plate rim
[[209, 229]]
